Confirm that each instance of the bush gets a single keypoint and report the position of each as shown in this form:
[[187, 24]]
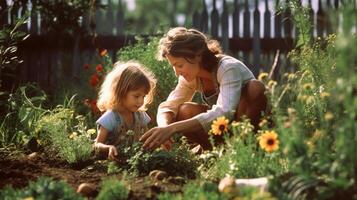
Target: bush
[[43, 189], [113, 189]]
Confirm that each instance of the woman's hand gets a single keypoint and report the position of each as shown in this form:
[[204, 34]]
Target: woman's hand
[[112, 152], [155, 137]]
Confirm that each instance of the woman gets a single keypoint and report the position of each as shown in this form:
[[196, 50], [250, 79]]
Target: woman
[[228, 88]]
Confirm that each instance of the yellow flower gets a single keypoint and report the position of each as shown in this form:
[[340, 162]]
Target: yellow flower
[[272, 84], [324, 94], [307, 86], [73, 135], [28, 198], [269, 141], [91, 131], [328, 116], [219, 126], [263, 123], [262, 76]]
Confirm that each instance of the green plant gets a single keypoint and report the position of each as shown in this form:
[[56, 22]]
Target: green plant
[[112, 168], [241, 156], [63, 16], [177, 162], [24, 107], [316, 116], [10, 37], [196, 190], [43, 189], [62, 130], [113, 189]]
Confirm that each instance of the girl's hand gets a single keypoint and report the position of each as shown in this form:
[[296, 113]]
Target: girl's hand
[[112, 153], [155, 137]]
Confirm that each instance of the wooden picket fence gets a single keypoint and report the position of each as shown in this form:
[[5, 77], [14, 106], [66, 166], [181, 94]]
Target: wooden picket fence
[[47, 61]]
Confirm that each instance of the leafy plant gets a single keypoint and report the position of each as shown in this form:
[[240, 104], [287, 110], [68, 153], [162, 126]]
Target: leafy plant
[[62, 130], [113, 189], [24, 107], [43, 188]]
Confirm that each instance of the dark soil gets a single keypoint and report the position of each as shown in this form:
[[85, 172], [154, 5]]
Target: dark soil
[[18, 169]]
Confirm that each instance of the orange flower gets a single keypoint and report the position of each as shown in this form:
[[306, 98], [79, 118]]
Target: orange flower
[[269, 141], [219, 126], [103, 52], [86, 66], [99, 68], [94, 79]]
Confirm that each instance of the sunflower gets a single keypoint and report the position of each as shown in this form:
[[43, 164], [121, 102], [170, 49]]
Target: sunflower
[[219, 126], [269, 141]]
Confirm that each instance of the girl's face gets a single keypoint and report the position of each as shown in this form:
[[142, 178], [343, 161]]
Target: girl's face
[[188, 70], [134, 99]]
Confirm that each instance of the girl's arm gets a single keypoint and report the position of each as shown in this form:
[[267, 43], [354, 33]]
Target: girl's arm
[[104, 148]]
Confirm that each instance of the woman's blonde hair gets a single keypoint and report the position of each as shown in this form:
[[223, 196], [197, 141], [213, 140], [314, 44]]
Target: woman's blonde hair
[[123, 78], [188, 43]]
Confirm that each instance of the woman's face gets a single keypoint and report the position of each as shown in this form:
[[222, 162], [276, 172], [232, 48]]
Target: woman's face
[[182, 67]]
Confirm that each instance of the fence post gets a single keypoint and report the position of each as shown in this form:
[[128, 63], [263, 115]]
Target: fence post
[[236, 20], [34, 18], [256, 40], [109, 19], [120, 18], [287, 22], [3, 14], [246, 28], [204, 18], [267, 23], [214, 21], [196, 20], [320, 21], [225, 28], [277, 21]]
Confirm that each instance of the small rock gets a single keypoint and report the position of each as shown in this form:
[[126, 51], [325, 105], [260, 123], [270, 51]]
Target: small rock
[[227, 185], [178, 180], [158, 175], [33, 156], [87, 189]]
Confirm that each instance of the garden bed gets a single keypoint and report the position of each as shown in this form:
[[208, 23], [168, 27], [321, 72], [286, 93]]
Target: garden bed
[[18, 170]]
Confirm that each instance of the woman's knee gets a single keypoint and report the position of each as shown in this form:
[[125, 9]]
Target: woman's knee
[[188, 110]]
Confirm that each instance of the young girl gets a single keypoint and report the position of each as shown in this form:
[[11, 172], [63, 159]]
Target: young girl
[[125, 92]]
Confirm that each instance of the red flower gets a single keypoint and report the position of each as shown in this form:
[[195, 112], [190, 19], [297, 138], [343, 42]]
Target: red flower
[[103, 52], [94, 79], [99, 68], [94, 107], [86, 66]]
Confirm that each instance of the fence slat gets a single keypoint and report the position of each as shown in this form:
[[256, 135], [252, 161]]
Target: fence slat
[[287, 23], [256, 40], [214, 21], [225, 28], [277, 22], [120, 19], [204, 18], [267, 22], [3, 14], [236, 19], [320, 21], [246, 20]]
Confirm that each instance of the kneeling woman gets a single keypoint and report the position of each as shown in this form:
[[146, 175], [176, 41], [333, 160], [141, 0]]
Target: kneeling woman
[[228, 88]]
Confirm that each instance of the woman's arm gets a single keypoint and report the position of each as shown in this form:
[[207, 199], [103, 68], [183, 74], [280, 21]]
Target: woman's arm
[[158, 135]]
